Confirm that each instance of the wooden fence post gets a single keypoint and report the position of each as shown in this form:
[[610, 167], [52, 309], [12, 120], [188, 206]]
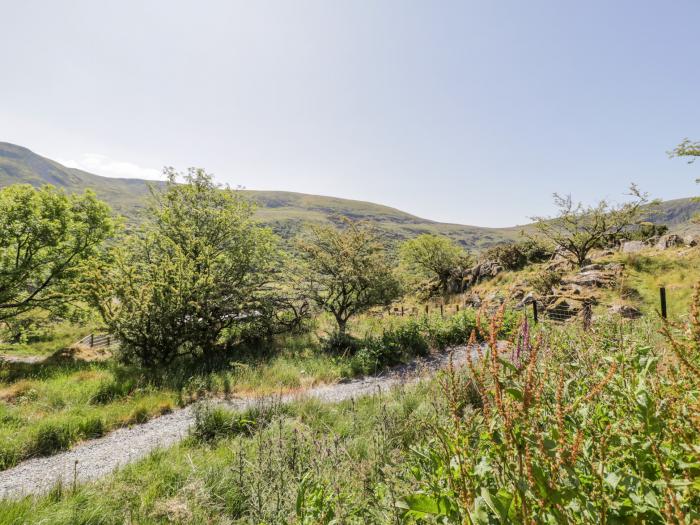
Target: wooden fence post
[[426, 309], [92, 340], [534, 311], [442, 310], [401, 310], [662, 296]]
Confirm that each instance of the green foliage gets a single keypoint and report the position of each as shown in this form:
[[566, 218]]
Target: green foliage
[[45, 238], [51, 437], [578, 229], [348, 271], [515, 256], [544, 281], [434, 257], [562, 439], [199, 266]]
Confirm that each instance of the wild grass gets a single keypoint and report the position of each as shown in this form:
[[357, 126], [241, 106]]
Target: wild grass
[[563, 426], [307, 462]]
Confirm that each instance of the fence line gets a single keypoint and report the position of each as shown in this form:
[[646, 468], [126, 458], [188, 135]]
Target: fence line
[[99, 341]]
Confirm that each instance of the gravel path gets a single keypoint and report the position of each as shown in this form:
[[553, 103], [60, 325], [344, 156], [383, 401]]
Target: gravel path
[[95, 458]]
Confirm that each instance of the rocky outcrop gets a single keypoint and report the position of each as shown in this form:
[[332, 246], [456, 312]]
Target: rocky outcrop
[[633, 246], [669, 241], [690, 240], [564, 309], [625, 311]]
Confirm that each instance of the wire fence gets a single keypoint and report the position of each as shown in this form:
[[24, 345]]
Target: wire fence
[[555, 309]]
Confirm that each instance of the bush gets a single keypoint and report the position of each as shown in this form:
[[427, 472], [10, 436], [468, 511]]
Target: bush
[[338, 343], [50, 438], [544, 281], [514, 256]]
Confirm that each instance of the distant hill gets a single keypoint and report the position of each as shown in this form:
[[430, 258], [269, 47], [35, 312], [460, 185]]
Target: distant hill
[[285, 212]]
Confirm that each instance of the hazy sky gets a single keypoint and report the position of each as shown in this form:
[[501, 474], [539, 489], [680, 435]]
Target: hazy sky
[[469, 112]]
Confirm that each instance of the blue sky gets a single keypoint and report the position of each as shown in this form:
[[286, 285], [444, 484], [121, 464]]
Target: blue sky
[[468, 112]]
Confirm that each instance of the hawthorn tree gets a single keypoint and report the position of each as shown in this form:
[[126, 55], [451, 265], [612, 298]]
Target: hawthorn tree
[[578, 229], [347, 270], [45, 238], [434, 256], [198, 267], [687, 148]]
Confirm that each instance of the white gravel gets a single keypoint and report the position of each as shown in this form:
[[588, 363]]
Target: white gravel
[[96, 458]]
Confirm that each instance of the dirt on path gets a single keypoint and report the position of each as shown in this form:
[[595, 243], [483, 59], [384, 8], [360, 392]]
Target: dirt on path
[[93, 459]]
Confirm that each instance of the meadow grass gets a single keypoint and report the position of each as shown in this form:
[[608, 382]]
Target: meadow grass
[[564, 426]]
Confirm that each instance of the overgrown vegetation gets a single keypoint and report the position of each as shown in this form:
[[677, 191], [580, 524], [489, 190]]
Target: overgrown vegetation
[[561, 426]]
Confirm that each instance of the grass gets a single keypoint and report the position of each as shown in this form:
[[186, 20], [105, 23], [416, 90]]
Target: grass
[[47, 341], [596, 427], [48, 407], [306, 462]]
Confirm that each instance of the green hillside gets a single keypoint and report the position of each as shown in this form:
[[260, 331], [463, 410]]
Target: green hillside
[[285, 212]]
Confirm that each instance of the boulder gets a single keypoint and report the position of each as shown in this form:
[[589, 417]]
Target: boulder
[[669, 241], [626, 311], [690, 240], [592, 279], [564, 309], [632, 246]]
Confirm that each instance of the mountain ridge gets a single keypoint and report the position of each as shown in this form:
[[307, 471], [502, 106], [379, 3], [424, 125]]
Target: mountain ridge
[[286, 212]]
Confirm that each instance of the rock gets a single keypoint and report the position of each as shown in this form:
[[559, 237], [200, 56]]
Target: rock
[[473, 300], [528, 299], [596, 279], [626, 311], [669, 241], [632, 246], [591, 268], [564, 309], [690, 240]]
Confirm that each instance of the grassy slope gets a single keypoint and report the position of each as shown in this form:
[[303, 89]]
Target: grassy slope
[[286, 212]]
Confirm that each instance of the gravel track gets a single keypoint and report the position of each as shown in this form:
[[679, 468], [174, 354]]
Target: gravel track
[[96, 458]]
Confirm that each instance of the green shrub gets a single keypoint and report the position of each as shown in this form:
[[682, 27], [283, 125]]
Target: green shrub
[[51, 437]]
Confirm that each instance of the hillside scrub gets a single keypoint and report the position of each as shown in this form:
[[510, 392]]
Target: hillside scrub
[[562, 427], [598, 428], [347, 271], [434, 257], [197, 267], [576, 230]]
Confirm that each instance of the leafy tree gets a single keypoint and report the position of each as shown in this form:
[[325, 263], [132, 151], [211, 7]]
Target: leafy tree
[[686, 148], [347, 270], [45, 237], [434, 256], [578, 229], [198, 267]]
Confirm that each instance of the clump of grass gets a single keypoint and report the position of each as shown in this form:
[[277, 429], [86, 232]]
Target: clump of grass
[[51, 437]]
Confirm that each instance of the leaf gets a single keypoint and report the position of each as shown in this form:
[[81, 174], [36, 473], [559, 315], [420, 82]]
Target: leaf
[[516, 393], [422, 504], [499, 503], [613, 479]]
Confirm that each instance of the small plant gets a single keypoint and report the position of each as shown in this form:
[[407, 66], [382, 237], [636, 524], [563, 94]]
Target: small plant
[[51, 437]]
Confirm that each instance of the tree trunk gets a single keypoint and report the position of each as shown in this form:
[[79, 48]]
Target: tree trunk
[[342, 324]]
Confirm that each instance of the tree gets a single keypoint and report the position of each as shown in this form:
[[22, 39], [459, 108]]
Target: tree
[[578, 229], [347, 271], [686, 148], [45, 237], [196, 269], [434, 256]]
